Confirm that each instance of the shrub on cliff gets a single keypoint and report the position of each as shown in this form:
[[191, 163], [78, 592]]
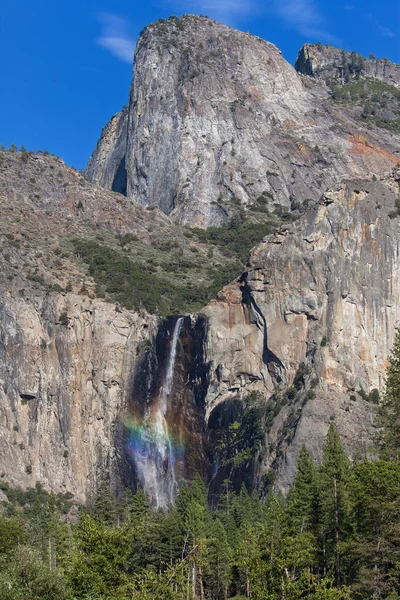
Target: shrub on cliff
[[138, 285], [237, 238]]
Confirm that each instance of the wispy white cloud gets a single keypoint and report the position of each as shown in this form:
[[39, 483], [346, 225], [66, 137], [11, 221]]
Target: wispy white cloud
[[385, 31], [381, 29], [304, 16], [115, 37]]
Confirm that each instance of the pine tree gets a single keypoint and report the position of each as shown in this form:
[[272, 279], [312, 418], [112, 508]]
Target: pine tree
[[12, 534], [193, 509], [98, 566], [335, 504], [135, 508], [170, 536], [218, 562], [389, 409], [375, 492], [301, 498], [247, 560], [25, 576], [104, 505], [243, 507], [24, 153]]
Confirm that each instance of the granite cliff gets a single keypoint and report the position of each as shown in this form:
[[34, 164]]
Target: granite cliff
[[216, 114], [316, 311], [116, 318]]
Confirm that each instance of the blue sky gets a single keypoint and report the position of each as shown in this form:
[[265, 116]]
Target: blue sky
[[66, 66]]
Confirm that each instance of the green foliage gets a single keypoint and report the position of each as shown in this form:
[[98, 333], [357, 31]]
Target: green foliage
[[25, 576], [237, 238], [98, 565], [33, 498], [63, 319], [12, 534], [135, 284], [103, 507], [377, 99], [389, 408], [302, 495], [238, 443], [373, 395], [336, 519], [335, 537]]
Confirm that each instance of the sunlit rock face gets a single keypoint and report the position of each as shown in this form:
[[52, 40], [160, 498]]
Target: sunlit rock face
[[326, 63], [213, 114], [63, 390], [216, 114], [322, 293]]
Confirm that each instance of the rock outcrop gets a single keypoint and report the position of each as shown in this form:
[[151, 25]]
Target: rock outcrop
[[66, 358], [106, 166], [321, 296], [336, 66], [73, 364], [216, 114]]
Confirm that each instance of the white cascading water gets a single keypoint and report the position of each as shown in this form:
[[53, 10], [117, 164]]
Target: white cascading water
[[155, 462]]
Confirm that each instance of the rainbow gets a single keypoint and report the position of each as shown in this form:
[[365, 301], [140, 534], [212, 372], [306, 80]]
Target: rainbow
[[144, 437], [158, 454]]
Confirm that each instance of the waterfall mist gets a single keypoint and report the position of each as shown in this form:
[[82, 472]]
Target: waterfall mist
[[165, 423]]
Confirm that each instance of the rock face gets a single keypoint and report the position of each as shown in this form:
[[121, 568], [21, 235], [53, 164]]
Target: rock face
[[66, 358], [63, 390], [106, 166], [317, 305], [75, 370], [333, 65], [321, 294], [214, 114], [217, 114]]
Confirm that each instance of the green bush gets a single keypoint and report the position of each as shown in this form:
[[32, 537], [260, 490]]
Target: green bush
[[63, 319], [373, 95], [236, 239], [138, 285]]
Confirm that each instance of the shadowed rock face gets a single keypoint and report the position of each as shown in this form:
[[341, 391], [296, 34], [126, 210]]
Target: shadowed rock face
[[327, 63], [216, 113], [106, 166]]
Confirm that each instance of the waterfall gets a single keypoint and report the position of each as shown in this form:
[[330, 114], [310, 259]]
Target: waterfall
[[153, 447]]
